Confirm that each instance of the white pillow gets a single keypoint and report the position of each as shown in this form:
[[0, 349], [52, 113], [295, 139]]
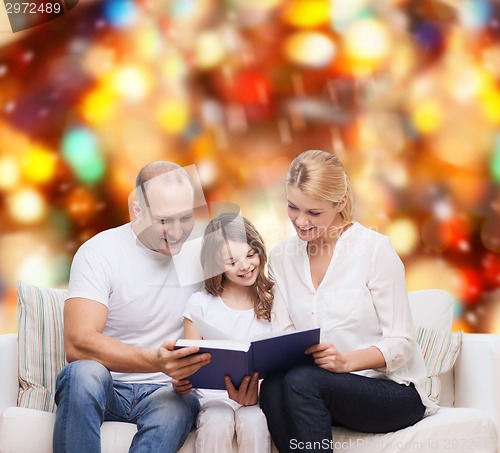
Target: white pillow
[[431, 308], [41, 344], [440, 349]]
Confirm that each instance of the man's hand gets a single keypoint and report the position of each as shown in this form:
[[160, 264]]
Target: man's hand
[[248, 392], [182, 387], [180, 363]]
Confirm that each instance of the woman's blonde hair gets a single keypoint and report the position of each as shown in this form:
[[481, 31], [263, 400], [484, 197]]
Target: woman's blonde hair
[[321, 175], [231, 227]]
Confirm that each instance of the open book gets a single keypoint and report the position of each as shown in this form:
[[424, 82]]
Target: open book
[[268, 353]]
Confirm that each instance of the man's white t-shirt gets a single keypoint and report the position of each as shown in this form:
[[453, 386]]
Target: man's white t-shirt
[[139, 287]]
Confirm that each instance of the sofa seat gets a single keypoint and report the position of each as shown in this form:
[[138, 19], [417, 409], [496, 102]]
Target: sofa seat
[[459, 430], [30, 431]]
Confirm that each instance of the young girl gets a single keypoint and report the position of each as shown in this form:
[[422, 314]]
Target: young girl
[[237, 300]]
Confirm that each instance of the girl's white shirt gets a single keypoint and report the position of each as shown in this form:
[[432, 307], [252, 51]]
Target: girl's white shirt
[[362, 301], [240, 325]]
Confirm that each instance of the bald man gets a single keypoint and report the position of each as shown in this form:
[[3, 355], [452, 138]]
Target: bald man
[[124, 307]]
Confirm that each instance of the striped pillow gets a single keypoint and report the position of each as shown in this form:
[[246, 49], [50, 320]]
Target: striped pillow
[[440, 349], [41, 344]]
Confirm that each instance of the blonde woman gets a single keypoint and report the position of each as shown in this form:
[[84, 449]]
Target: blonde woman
[[348, 280]]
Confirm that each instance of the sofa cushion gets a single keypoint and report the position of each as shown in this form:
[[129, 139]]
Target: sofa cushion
[[431, 308], [41, 344], [440, 349], [458, 430]]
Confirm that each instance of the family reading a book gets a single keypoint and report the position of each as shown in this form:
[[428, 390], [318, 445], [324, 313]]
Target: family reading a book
[[334, 276]]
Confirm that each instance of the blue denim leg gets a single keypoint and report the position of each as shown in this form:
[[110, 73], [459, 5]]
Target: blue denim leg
[[82, 390], [312, 400], [163, 417], [86, 396]]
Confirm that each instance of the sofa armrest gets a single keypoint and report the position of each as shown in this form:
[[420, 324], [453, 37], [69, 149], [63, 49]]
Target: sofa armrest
[[477, 374], [9, 383]]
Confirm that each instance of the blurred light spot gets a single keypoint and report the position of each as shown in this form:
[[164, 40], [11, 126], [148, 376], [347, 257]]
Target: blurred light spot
[[308, 13], [425, 273], [490, 234], [466, 82], [310, 49], [471, 286], [80, 150], [207, 171], [173, 67], [495, 160], [9, 172], [209, 50], [346, 11], [489, 101], [39, 268], [98, 60], [367, 41], [460, 324], [120, 13], [427, 116], [33, 256], [474, 14], [429, 36], [81, 205], [148, 42], [131, 82], [249, 87], [173, 116], [464, 140], [212, 113], [26, 206], [98, 106], [39, 165], [404, 235], [433, 234], [491, 269], [66, 72], [182, 9]]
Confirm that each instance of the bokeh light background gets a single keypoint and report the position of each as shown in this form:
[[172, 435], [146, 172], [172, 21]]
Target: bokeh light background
[[406, 93]]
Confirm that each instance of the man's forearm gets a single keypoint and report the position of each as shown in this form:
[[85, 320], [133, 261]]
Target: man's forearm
[[113, 354]]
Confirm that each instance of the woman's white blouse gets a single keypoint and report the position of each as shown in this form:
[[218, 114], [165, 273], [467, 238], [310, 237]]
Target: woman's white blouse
[[362, 301]]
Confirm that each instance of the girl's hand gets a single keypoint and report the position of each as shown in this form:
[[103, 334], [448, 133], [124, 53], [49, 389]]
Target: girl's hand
[[328, 357], [248, 392], [182, 387]]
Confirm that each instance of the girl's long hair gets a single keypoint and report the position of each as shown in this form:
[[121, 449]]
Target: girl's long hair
[[232, 227]]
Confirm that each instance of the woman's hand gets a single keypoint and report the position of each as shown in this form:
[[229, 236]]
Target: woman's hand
[[328, 357], [248, 391], [182, 387]]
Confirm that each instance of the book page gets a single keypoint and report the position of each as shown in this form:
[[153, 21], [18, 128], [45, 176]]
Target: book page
[[265, 335], [209, 332], [230, 345]]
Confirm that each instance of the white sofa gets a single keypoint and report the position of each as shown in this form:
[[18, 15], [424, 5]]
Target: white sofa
[[469, 425]]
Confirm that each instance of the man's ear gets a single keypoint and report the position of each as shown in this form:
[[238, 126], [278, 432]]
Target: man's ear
[[136, 208]]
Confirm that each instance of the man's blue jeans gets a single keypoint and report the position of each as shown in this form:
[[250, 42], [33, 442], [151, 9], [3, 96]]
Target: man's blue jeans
[[86, 396], [303, 404]]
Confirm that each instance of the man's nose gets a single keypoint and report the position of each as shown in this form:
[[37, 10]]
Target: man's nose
[[173, 232]]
